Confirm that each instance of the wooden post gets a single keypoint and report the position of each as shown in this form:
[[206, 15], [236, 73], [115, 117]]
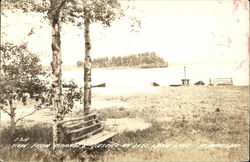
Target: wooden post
[[185, 81], [87, 69], [184, 72]]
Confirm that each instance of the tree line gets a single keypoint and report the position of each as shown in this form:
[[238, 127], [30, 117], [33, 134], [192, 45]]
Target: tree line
[[141, 60]]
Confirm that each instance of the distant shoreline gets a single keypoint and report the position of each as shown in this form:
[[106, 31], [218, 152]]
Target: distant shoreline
[[74, 67]]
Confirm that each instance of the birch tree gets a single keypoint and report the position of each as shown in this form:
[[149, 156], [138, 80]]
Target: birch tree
[[52, 9], [83, 13]]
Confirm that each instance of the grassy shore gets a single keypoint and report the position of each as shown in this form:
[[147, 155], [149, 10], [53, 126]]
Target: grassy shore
[[196, 123]]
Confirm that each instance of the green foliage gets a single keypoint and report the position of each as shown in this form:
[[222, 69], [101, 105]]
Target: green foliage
[[142, 60], [92, 11], [40, 6], [73, 11], [22, 75], [71, 93]]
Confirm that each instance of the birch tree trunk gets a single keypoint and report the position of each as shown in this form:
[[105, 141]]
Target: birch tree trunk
[[87, 69], [0, 82], [57, 74]]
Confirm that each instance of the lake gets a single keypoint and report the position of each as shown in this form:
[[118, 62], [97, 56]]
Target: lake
[[162, 76]]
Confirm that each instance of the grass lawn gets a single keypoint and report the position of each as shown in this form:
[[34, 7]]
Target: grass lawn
[[195, 123]]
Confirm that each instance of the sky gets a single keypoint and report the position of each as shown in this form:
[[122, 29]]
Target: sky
[[191, 32]]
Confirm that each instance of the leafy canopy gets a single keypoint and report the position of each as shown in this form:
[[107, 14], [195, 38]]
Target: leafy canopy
[[103, 11], [74, 11], [22, 75]]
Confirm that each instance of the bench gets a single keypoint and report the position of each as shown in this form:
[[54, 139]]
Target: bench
[[86, 130], [220, 81]]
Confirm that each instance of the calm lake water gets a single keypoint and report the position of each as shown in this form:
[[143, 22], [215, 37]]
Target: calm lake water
[[162, 76]]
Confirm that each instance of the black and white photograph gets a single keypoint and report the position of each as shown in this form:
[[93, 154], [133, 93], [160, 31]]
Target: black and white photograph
[[124, 80]]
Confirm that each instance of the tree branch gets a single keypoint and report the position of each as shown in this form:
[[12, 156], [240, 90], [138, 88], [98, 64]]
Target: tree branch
[[62, 4], [21, 118], [5, 110]]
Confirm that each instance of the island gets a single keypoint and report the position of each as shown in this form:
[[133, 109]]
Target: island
[[141, 60]]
